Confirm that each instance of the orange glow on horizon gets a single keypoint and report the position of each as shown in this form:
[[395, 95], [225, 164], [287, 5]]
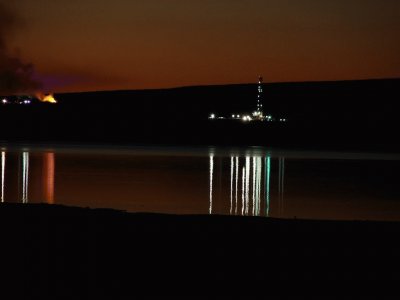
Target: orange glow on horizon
[[166, 44]]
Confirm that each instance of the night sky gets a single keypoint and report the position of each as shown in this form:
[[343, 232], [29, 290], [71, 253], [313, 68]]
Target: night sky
[[133, 44]]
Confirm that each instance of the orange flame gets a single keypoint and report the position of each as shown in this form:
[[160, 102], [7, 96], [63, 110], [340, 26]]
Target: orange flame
[[46, 97]]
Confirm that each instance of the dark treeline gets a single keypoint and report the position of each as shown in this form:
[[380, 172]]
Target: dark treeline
[[347, 114]]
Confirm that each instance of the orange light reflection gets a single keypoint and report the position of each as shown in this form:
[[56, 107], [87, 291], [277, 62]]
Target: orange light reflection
[[48, 177]]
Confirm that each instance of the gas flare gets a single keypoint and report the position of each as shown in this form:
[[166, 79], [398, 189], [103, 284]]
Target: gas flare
[[46, 97]]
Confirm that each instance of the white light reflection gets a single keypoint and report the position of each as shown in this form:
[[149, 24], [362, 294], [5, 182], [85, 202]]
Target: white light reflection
[[247, 183], [256, 195], [243, 183], [237, 179], [3, 168], [232, 167], [254, 185], [25, 176], [267, 182], [257, 177], [281, 186], [258, 185], [211, 180]]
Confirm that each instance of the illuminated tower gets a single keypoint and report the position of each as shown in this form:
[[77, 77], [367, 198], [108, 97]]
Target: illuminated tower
[[259, 97]]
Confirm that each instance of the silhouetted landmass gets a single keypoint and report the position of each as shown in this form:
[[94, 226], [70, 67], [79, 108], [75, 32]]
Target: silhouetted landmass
[[58, 252], [347, 114]]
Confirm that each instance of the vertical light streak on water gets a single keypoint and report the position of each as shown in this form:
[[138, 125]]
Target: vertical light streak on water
[[232, 167], [211, 181], [279, 186], [283, 182], [247, 184], [254, 185], [243, 183], [258, 184], [48, 177], [25, 176], [267, 182], [236, 190], [3, 169]]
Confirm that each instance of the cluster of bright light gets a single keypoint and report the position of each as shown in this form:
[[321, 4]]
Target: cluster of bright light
[[17, 101], [25, 101], [256, 115], [247, 118]]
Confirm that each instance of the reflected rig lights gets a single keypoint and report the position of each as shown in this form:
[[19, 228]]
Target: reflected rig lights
[[232, 168], [237, 181], [25, 181], [25, 176], [234, 176], [254, 186], [281, 183], [3, 168], [253, 177], [267, 183], [258, 185], [211, 181], [243, 179], [247, 184]]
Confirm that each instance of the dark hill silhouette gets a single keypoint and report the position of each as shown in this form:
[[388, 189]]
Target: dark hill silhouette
[[354, 114]]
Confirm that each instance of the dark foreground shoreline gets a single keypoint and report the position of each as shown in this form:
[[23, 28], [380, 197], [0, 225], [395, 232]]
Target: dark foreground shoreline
[[59, 252]]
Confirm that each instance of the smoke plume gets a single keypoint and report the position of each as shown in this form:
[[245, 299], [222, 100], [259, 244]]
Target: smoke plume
[[16, 76]]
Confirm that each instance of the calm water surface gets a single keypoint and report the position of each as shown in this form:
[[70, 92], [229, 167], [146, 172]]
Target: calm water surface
[[243, 181]]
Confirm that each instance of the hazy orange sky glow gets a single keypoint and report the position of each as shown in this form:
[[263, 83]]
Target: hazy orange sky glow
[[133, 44]]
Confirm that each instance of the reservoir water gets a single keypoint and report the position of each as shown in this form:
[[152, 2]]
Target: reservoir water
[[228, 181]]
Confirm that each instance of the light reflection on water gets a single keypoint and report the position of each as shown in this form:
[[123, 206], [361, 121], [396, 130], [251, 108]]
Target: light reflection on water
[[3, 167], [249, 182], [257, 170], [48, 176], [25, 176], [23, 170]]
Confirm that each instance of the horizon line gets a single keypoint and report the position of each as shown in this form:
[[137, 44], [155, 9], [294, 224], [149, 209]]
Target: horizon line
[[207, 85], [229, 84]]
